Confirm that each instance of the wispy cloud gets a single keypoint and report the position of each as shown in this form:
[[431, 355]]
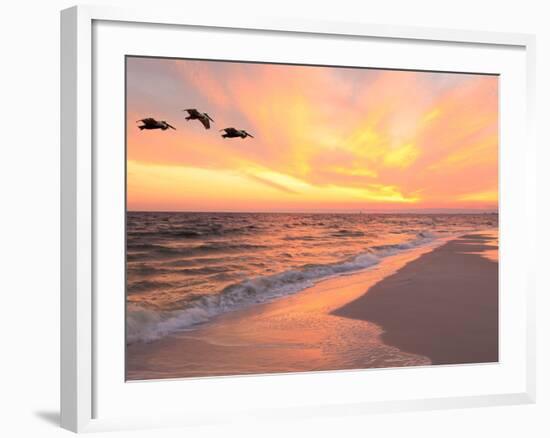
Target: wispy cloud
[[368, 135], [272, 184]]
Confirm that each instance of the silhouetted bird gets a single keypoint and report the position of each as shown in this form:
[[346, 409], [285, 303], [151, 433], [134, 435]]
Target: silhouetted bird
[[232, 133], [150, 123], [204, 118]]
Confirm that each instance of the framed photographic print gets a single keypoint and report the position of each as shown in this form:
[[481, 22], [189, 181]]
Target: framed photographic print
[[340, 212]]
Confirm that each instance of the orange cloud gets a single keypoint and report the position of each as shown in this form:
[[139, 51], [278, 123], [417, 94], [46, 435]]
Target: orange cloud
[[342, 137]]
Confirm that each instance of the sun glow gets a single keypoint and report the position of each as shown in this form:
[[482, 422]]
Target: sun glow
[[324, 138]]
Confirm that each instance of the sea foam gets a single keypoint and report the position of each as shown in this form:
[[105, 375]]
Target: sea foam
[[146, 325]]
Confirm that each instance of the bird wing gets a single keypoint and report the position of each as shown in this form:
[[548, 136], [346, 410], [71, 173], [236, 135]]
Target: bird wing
[[192, 111], [230, 130], [147, 120], [205, 122]]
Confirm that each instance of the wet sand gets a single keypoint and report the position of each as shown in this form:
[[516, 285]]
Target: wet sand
[[424, 306], [443, 305]]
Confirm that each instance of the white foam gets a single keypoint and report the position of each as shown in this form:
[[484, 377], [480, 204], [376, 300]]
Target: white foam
[[146, 325]]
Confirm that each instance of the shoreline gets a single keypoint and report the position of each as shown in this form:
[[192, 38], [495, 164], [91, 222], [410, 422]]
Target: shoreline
[[269, 288], [444, 305], [328, 326]]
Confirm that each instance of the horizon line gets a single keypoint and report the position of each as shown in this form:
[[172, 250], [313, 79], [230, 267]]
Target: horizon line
[[422, 211]]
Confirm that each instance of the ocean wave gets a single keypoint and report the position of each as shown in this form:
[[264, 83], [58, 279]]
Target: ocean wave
[[146, 285], [190, 231], [145, 325], [139, 251], [347, 233]]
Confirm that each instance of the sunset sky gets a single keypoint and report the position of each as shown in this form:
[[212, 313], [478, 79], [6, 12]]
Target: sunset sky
[[326, 139]]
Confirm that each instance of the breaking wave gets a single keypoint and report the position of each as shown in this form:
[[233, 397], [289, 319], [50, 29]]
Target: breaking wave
[[146, 324]]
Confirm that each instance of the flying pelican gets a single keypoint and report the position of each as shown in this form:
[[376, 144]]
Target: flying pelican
[[204, 118], [150, 123], [232, 133]]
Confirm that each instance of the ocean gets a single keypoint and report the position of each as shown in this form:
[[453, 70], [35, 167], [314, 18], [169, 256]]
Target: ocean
[[186, 269]]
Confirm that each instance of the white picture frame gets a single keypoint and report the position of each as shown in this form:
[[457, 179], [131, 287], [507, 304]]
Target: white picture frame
[[84, 379]]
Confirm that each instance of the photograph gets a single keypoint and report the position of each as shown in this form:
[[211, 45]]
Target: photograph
[[288, 218]]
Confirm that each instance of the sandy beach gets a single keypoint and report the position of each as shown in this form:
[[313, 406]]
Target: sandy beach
[[429, 305], [443, 305]]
